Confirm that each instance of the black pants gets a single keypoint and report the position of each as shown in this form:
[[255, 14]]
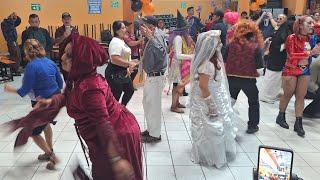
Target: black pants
[[249, 87], [118, 88], [15, 55], [313, 109]]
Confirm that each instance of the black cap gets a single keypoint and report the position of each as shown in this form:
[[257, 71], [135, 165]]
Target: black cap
[[150, 20], [219, 12], [66, 15], [126, 23]]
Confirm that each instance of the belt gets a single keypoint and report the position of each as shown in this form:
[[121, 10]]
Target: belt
[[153, 74]]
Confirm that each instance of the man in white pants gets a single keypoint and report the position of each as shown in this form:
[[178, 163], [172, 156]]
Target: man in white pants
[[154, 63]]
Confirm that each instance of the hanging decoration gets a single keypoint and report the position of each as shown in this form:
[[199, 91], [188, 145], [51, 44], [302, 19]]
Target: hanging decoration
[[254, 6], [147, 7], [136, 5], [260, 2]]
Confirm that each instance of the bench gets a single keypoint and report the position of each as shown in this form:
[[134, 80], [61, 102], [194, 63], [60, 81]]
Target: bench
[[5, 69]]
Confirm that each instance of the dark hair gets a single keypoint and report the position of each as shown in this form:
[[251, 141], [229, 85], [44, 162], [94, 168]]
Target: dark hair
[[214, 60], [32, 16], [189, 8], [244, 13], [249, 36], [315, 13], [116, 26]]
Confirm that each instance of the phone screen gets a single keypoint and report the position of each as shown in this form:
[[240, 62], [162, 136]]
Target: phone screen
[[274, 164]]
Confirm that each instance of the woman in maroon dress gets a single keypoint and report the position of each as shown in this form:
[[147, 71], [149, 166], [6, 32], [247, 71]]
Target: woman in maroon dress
[[110, 131]]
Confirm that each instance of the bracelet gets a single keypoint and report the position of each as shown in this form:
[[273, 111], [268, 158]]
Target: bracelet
[[115, 159]]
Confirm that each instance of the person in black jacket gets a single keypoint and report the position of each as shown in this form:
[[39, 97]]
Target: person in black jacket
[[220, 25], [38, 33], [8, 27], [271, 88]]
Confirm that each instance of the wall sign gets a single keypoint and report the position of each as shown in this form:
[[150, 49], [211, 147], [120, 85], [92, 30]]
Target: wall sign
[[115, 4], [35, 7], [183, 5], [94, 6]]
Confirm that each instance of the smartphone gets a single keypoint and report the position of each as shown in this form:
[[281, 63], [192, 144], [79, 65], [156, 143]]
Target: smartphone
[[68, 29], [274, 163]]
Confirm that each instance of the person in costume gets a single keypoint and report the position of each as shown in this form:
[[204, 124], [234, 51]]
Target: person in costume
[[296, 73], [243, 58], [41, 79], [212, 117], [271, 88], [109, 130], [182, 52]]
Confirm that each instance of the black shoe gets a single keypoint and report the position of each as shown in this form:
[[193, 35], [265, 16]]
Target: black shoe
[[145, 133], [16, 74], [185, 93], [252, 129], [150, 139], [298, 127], [281, 120]]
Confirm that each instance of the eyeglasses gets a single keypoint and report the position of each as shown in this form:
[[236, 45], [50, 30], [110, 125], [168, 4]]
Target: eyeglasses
[[280, 18]]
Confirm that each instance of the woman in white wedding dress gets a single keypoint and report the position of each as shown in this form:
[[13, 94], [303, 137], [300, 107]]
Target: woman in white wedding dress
[[212, 117]]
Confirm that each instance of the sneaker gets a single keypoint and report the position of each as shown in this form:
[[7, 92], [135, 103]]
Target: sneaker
[[150, 139], [252, 129], [145, 133]]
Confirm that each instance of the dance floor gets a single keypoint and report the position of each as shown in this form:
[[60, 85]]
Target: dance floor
[[169, 159]]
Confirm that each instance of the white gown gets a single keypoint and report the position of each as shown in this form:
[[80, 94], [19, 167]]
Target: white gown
[[213, 140]]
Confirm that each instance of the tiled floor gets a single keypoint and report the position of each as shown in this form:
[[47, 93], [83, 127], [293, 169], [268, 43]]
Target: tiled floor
[[169, 159]]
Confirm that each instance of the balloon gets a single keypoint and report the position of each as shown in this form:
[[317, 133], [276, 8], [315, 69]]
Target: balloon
[[254, 6], [260, 2], [145, 1], [136, 5]]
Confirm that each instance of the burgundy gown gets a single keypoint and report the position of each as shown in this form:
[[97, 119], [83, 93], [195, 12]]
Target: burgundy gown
[[98, 116]]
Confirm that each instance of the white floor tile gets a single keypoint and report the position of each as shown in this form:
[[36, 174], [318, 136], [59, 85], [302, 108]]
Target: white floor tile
[[182, 159], [313, 159], [4, 170], [189, 173], [160, 173], [241, 173], [307, 173], [217, 174], [301, 145], [180, 146], [156, 147], [242, 160], [64, 146], [158, 158], [178, 136], [48, 174], [20, 173]]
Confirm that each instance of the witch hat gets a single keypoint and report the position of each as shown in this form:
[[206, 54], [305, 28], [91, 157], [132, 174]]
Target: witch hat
[[181, 23]]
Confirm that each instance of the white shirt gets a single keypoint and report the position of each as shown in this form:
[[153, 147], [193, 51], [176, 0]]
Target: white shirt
[[118, 47]]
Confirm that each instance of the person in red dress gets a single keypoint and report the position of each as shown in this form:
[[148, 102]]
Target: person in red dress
[[296, 73], [110, 131]]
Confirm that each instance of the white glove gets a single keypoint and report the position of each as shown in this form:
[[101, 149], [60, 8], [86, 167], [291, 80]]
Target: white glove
[[211, 106]]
